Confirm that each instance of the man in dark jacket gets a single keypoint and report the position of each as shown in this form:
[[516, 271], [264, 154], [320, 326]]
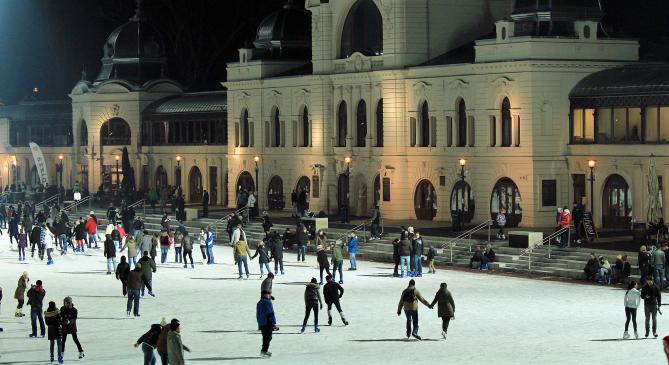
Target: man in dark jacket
[[205, 204], [302, 241], [332, 292], [396, 256], [134, 285], [122, 274], [376, 221], [266, 321], [276, 250], [405, 253], [35, 241], [148, 268], [36, 295], [312, 301], [110, 254], [591, 267], [652, 300]]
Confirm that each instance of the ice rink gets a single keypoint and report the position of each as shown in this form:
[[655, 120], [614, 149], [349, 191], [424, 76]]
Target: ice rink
[[499, 319]]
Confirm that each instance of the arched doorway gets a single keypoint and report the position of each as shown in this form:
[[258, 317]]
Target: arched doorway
[[616, 203], [161, 178], [506, 195], [195, 186], [275, 194], [425, 201], [115, 132], [245, 182], [342, 191], [462, 200], [303, 193]]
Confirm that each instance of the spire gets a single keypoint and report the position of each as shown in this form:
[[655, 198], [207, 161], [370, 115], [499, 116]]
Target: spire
[[289, 4], [138, 11]]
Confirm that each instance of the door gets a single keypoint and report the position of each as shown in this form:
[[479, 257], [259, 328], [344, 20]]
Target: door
[[505, 195], [342, 191], [195, 186], [616, 203], [303, 192], [275, 194], [462, 200], [213, 185], [161, 178], [425, 201]]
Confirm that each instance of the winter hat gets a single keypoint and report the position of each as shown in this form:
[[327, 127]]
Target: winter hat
[[270, 275], [52, 306], [163, 321], [91, 212], [410, 229], [314, 281], [319, 248], [25, 273], [412, 282], [174, 324], [443, 285], [566, 211]]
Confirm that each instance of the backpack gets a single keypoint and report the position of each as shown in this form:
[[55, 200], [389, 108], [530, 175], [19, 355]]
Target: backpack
[[409, 295]]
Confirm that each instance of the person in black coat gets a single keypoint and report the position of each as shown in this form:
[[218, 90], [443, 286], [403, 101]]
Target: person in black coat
[[266, 224], [35, 241], [652, 301], [68, 316], [149, 342], [122, 273], [332, 292], [110, 254], [323, 263], [591, 267], [276, 252], [53, 322]]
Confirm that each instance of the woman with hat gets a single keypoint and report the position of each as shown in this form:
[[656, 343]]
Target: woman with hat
[[19, 294]]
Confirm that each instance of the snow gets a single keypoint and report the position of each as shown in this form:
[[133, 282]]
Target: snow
[[499, 319]]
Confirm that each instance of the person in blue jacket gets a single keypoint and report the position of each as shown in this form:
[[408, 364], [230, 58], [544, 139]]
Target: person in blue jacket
[[209, 242], [352, 250], [266, 321]]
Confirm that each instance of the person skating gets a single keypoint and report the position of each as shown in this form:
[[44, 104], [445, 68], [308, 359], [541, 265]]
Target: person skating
[[46, 240], [263, 259], [632, 301], [405, 253], [201, 237], [122, 274], [352, 247], [652, 301], [431, 254], [187, 246], [337, 261], [241, 255], [323, 262], [266, 321], [445, 307], [266, 285], [36, 295], [68, 316], [134, 286], [396, 257], [148, 268], [175, 347], [409, 302], [131, 245], [35, 241], [110, 254], [312, 301], [209, 242], [53, 322], [276, 248], [149, 341], [22, 243], [302, 242], [500, 219], [92, 229], [332, 292], [19, 293]]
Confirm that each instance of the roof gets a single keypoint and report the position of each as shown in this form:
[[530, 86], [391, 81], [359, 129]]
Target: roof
[[32, 111], [204, 102], [635, 84]]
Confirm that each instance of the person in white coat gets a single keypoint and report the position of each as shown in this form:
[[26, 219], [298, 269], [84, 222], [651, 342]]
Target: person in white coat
[[632, 301], [251, 204], [47, 239]]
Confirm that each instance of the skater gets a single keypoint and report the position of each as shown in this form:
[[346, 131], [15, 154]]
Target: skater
[[302, 242], [122, 273], [68, 316], [500, 219], [36, 295], [202, 236], [405, 253], [323, 263], [431, 254], [337, 261], [332, 292], [22, 243], [110, 254], [417, 246], [409, 302], [134, 286], [52, 316], [178, 241], [266, 321], [79, 235], [263, 259], [644, 264], [209, 242], [164, 246], [241, 254], [175, 348], [46, 240], [266, 285], [161, 347], [352, 247], [187, 246], [148, 268], [35, 241], [92, 229], [266, 224], [396, 256], [445, 307], [149, 341], [312, 301], [19, 294], [652, 300], [131, 245], [205, 204], [632, 301], [276, 248]]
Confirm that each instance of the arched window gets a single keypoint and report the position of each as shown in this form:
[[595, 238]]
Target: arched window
[[115, 132], [379, 124], [83, 133], [506, 123], [361, 123], [305, 127], [505, 198], [616, 203], [462, 123], [424, 125], [363, 30], [342, 125], [276, 125], [245, 128]]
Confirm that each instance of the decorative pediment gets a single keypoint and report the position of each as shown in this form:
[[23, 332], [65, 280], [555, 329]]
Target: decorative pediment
[[358, 63], [503, 82], [302, 97], [420, 89], [386, 7], [457, 84]]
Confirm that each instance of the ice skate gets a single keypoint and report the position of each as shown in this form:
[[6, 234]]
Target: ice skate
[[329, 321], [655, 334], [316, 329], [265, 354], [626, 335], [443, 334], [415, 335], [304, 328], [81, 355], [636, 335], [49, 262]]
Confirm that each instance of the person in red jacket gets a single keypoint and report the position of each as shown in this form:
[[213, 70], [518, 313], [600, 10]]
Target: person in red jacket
[[564, 223], [92, 229]]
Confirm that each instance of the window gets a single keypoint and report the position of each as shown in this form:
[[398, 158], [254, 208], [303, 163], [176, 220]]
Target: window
[[306, 130], [379, 124], [294, 133], [462, 123], [472, 132], [548, 193], [276, 128], [424, 125], [83, 133], [386, 189], [245, 129], [363, 30], [657, 125], [342, 125], [506, 123], [604, 130], [433, 131], [361, 124], [516, 129], [493, 131], [237, 135], [449, 131], [412, 132], [115, 132]]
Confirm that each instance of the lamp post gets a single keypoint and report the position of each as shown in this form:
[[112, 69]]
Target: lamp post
[[256, 159], [591, 165], [461, 213], [118, 176], [59, 169], [178, 172], [348, 160], [14, 168]]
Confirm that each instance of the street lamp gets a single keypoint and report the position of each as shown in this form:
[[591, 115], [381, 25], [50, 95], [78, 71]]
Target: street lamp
[[118, 176], [256, 159], [59, 169], [14, 168], [348, 160], [591, 165], [178, 171]]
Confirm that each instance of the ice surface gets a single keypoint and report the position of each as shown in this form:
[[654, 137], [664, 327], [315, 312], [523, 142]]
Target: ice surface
[[499, 320]]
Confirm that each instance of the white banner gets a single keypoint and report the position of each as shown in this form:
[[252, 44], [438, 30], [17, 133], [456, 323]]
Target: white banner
[[40, 163]]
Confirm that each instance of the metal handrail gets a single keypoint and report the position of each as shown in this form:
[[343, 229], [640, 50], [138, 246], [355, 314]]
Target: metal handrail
[[451, 244], [356, 228], [141, 202], [528, 251], [225, 218], [50, 199], [77, 203]]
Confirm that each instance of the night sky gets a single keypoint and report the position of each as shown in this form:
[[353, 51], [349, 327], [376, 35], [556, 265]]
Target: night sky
[[47, 43]]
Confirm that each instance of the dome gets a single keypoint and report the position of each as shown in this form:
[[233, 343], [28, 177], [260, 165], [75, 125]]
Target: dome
[[286, 33], [553, 17], [134, 52]]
